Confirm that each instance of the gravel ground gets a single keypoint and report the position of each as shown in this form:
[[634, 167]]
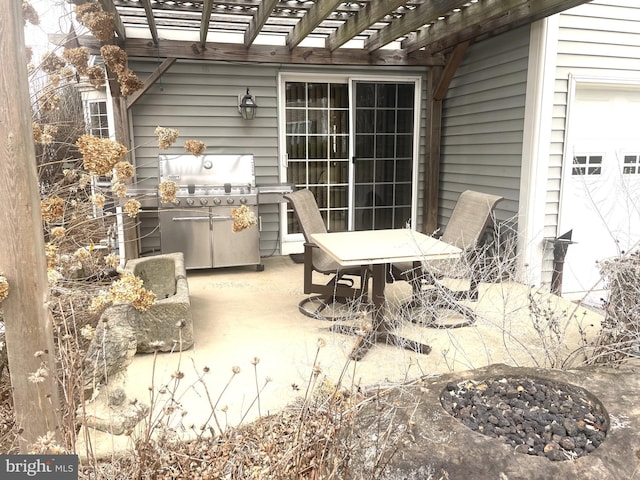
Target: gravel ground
[[536, 417]]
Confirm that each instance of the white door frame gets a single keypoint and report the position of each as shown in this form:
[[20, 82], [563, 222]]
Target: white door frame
[[293, 243]]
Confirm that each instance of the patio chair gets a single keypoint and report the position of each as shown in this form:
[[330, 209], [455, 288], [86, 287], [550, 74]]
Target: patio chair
[[341, 289], [470, 218]]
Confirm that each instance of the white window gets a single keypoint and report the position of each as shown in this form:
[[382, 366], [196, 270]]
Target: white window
[[587, 165], [97, 119], [631, 165]]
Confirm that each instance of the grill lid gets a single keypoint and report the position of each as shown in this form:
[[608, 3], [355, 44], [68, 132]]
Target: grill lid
[[208, 170]]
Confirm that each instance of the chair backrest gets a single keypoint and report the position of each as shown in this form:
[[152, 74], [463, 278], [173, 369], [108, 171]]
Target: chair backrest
[[471, 216], [306, 209]]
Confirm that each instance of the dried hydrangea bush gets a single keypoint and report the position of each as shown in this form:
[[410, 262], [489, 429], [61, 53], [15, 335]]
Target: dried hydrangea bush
[[128, 289], [195, 147], [100, 155], [4, 287], [100, 23], [166, 136], [114, 57], [168, 190], [243, 218], [78, 213]]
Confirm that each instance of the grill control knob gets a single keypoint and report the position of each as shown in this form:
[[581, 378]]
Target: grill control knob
[[190, 201], [217, 201], [203, 201], [176, 202], [243, 201], [230, 200]]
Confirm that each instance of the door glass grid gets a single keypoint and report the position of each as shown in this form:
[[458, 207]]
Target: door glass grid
[[383, 154], [317, 143]]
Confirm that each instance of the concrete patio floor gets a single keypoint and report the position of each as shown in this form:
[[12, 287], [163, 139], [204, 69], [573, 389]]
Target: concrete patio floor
[[249, 319]]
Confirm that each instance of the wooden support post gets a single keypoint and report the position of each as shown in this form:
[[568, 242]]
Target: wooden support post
[[28, 326], [439, 80], [121, 117], [432, 160]]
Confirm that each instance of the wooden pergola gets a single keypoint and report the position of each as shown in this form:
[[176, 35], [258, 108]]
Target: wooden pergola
[[430, 33]]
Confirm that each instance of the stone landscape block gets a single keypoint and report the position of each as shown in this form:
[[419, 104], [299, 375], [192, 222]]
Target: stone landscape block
[[169, 320]]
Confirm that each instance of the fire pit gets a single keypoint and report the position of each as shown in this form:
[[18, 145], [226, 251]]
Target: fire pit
[[423, 440], [535, 416]]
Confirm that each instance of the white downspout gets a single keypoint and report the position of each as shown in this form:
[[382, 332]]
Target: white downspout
[[536, 148]]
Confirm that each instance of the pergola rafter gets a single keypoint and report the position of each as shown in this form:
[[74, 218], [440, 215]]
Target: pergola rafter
[[314, 17], [425, 14], [373, 12], [258, 21], [482, 19]]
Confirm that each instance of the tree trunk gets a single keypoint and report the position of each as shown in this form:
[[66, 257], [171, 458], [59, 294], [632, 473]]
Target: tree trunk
[[27, 320]]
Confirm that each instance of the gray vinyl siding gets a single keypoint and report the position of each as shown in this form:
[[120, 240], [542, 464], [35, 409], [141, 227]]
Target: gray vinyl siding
[[597, 39], [200, 100], [483, 122]]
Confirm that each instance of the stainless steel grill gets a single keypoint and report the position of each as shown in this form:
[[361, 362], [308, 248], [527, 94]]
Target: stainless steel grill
[[199, 222]]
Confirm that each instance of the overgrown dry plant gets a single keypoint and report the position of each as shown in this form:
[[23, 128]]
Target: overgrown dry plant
[[313, 438], [511, 322], [79, 217], [554, 323], [619, 338]]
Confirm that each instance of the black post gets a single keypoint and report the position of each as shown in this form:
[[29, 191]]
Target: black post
[[560, 247]]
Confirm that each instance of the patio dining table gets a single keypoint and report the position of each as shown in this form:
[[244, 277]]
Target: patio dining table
[[379, 248]]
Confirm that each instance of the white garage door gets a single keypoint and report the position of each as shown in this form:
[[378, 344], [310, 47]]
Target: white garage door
[[601, 185]]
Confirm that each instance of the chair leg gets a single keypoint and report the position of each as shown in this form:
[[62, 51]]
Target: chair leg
[[429, 312], [426, 303], [339, 294]]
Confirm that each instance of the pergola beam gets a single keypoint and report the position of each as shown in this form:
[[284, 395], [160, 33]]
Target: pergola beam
[[259, 19], [423, 14], [483, 18], [232, 52], [148, 83], [314, 17], [453, 62], [370, 14]]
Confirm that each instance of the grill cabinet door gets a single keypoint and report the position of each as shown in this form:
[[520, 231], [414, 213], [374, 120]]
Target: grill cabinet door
[[234, 248], [187, 231]]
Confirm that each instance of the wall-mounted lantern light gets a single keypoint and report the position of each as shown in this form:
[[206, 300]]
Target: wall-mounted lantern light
[[247, 106]]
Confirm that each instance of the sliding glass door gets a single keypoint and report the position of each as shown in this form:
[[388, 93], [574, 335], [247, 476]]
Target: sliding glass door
[[352, 143], [317, 146], [383, 154]]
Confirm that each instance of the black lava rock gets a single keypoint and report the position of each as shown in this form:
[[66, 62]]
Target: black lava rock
[[557, 421]]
